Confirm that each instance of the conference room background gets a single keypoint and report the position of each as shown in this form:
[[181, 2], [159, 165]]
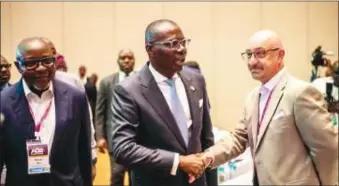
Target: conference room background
[[92, 33]]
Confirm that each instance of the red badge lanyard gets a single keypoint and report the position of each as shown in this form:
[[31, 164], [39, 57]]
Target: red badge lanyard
[[265, 108], [38, 124]]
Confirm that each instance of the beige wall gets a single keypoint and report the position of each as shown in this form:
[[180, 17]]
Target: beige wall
[[91, 33]]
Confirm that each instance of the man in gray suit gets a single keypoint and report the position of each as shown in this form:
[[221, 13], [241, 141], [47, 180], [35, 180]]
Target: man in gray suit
[[160, 115], [103, 127]]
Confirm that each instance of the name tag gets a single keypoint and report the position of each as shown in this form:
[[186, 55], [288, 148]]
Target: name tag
[[38, 157]]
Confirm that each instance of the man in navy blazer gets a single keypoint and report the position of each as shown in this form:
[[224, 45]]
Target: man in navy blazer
[[66, 127]]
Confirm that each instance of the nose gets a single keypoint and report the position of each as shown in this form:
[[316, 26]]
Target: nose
[[40, 67], [252, 61]]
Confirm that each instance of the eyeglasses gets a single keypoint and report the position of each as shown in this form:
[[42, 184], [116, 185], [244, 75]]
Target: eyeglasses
[[33, 64], [173, 44], [258, 53], [6, 66]]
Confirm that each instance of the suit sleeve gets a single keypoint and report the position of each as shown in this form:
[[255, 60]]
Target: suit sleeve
[[84, 141], [232, 144], [125, 148], [207, 137], [318, 133], [100, 111]]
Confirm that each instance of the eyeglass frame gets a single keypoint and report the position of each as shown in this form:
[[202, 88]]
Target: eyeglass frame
[[255, 56], [37, 63], [163, 43]]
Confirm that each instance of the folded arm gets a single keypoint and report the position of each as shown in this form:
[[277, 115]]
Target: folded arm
[[318, 133]]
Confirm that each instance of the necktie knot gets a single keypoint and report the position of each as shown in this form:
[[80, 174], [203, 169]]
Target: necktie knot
[[170, 82]]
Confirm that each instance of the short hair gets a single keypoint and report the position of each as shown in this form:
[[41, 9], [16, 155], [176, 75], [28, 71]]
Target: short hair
[[192, 64], [151, 29]]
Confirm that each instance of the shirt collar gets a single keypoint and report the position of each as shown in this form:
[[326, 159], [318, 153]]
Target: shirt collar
[[159, 78], [121, 73], [269, 86], [28, 91]]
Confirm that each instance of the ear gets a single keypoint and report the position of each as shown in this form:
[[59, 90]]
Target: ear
[[18, 66], [149, 49], [282, 53]]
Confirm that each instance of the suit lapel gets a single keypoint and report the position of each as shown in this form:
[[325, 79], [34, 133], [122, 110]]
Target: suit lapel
[[192, 102], [154, 96], [21, 109], [62, 110], [255, 118], [272, 107]]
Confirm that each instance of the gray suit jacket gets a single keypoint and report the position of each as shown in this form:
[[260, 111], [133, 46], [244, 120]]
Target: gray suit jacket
[[296, 144], [102, 111], [145, 136]]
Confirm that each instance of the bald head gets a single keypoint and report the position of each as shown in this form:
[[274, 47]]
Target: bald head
[[50, 44], [157, 27], [265, 39], [265, 55], [28, 46]]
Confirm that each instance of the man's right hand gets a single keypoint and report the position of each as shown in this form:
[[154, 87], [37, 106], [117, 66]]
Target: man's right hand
[[102, 145], [192, 164]]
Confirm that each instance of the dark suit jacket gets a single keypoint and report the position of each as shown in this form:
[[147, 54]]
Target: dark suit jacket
[[103, 108], [91, 92], [145, 135], [70, 156]]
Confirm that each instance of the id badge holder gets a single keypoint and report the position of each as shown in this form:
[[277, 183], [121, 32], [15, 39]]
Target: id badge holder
[[37, 157]]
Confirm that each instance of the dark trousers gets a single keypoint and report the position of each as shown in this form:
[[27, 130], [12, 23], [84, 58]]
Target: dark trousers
[[118, 173]]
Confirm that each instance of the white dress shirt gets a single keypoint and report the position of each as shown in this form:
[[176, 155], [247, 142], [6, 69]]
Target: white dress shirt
[[38, 106], [266, 90], [122, 75], [166, 91]]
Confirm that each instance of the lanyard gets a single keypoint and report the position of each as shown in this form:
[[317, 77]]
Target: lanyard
[[38, 124], [265, 108]]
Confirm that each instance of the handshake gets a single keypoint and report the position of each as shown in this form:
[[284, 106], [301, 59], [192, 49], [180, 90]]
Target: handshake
[[194, 165]]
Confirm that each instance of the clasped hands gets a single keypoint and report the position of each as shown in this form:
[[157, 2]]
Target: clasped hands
[[194, 165]]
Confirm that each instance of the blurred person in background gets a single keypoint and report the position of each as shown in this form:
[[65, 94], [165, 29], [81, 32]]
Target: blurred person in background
[[5, 73], [192, 65], [82, 74], [104, 128], [5, 76], [91, 92], [329, 87]]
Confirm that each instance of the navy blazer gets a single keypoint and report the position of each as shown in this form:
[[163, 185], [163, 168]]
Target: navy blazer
[[70, 156]]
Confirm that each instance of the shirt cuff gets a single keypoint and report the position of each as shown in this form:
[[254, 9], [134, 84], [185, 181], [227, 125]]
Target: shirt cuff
[[175, 164]]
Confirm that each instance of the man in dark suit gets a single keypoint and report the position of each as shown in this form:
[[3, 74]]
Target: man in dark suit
[[5, 76], [91, 92], [5, 73], [160, 115], [103, 112], [48, 118]]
